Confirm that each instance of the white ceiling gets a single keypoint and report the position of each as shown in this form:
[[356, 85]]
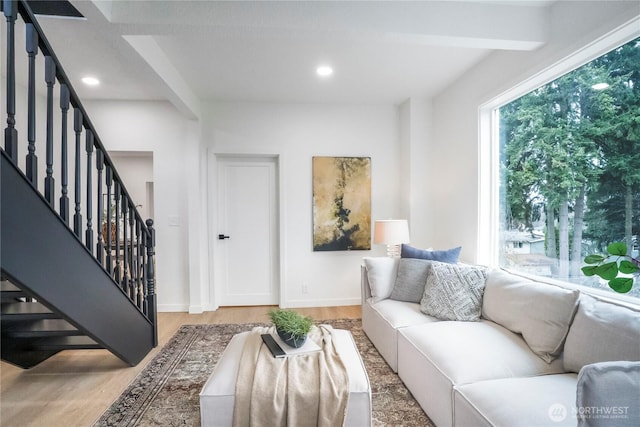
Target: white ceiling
[[267, 51]]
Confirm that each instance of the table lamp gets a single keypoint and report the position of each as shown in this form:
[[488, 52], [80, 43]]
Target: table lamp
[[391, 232]]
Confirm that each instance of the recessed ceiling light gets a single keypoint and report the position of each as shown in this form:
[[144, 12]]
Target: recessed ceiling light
[[90, 81], [600, 86], [324, 71]]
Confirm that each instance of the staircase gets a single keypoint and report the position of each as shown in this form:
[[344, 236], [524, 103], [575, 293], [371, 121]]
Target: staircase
[[76, 271], [31, 332]]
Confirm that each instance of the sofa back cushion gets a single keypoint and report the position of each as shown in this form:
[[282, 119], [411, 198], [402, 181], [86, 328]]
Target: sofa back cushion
[[410, 281], [454, 291], [540, 312], [602, 332], [381, 272]]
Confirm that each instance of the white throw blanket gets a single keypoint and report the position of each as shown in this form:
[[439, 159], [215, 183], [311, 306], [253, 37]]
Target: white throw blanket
[[305, 390]]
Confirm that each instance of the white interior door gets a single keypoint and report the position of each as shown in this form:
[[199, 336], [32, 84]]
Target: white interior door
[[247, 231]]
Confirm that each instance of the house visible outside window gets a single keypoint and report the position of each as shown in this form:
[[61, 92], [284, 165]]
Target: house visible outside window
[[569, 161]]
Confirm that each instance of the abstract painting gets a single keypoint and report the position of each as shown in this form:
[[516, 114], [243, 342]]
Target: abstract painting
[[341, 203]]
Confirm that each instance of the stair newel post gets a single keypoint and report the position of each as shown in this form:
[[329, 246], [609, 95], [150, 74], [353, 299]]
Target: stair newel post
[[77, 216], [10, 132], [151, 280], [50, 79], [89, 232], [100, 208], [125, 257], [116, 269], [132, 266], [64, 199], [32, 51], [109, 179]]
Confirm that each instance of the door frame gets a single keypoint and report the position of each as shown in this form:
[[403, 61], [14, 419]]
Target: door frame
[[215, 281]]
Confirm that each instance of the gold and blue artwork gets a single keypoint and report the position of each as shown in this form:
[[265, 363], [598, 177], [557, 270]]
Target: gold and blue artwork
[[341, 203]]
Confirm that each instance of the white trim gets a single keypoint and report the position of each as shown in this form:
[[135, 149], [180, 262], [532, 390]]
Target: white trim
[[616, 38], [613, 296], [301, 303], [173, 308]]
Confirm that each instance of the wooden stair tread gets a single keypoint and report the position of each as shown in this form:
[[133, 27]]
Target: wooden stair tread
[[33, 310], [41, 328], [6, 286], [65, 343]]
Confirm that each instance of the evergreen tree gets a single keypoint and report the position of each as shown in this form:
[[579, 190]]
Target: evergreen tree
[[572, 152]]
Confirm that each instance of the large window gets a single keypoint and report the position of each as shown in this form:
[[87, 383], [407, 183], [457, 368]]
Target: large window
[[570, 169]]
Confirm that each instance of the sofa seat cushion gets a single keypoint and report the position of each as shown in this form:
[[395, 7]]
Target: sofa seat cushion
[[434, 357], [381, 320], [400, 314], [474, 351], [531, 401]]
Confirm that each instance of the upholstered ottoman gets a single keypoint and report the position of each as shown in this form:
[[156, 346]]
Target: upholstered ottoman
[[218, 394]]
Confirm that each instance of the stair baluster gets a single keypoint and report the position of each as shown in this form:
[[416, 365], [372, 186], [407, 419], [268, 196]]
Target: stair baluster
[[108, 220], [64, 199], [101, 220], [125, 267], [50, 79], [77, 216], [117, 271], [132, 268], [32, 159], [89, 232], [10, 132]]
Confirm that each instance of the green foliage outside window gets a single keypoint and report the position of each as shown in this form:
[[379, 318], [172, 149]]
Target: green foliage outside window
[[570, 165]]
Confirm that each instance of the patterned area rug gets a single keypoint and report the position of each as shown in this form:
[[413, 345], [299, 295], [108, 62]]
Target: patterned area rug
[[166, 392]]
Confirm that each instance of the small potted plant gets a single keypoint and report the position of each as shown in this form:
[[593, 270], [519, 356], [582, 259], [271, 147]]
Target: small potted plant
[[292, 327]]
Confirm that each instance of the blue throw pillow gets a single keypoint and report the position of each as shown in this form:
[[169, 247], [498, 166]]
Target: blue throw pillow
[[449, 256]]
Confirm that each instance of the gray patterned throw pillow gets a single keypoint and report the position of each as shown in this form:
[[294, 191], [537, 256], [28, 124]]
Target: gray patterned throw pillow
[[454, 292]]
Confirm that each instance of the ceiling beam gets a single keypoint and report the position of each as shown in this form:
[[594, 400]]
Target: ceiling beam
[[177, 90], [507, 25]]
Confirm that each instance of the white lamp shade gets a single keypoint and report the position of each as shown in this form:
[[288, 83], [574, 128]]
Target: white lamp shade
[[391, 232]]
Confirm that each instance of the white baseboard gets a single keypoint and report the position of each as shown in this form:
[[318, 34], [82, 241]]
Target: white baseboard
[[321, 303], [173, 308], [198, 309]]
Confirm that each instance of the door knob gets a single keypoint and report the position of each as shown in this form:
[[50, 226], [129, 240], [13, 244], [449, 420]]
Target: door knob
[[222, 237]]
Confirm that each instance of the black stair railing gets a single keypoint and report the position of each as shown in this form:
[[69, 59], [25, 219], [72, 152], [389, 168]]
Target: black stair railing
[[114, 233]]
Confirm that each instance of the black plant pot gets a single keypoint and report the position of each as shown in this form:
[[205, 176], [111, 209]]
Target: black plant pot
[[295, 342]]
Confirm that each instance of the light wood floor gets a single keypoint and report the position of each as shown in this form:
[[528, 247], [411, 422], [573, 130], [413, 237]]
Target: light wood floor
[[73, 388]]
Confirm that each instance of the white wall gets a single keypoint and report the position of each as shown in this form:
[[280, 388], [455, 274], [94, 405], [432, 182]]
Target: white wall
[[156, 127], [453, 191], [136, 170], [297, 133], [415, 140]]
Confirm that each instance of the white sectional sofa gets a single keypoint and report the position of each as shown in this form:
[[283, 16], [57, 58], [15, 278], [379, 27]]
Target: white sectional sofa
[[517, 360]]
